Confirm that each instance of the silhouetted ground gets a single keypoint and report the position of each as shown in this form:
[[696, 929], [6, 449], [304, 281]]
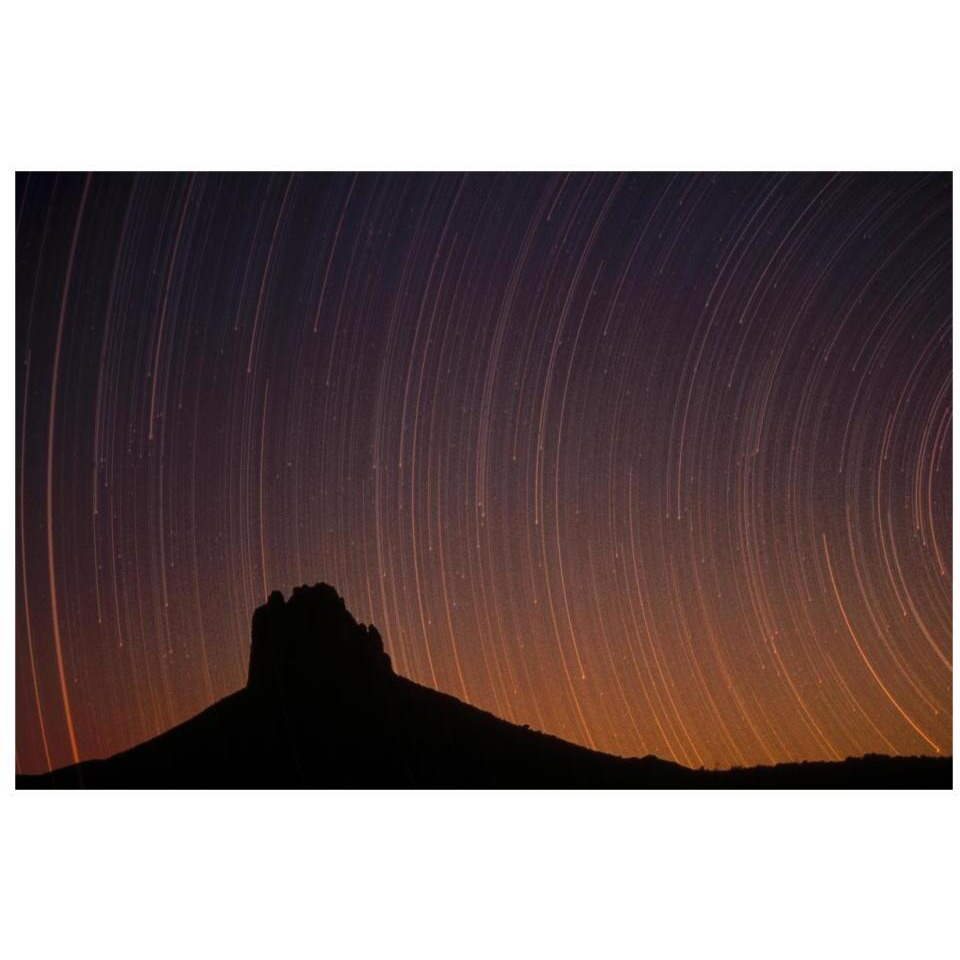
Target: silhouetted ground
[[323, 708]]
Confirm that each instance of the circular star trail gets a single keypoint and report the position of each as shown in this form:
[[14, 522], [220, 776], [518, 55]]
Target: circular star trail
[[656, 463]]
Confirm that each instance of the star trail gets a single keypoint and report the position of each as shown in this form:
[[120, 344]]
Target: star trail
[[658, 463]]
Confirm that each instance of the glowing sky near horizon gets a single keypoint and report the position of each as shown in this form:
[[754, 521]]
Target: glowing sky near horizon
[[656, 463]]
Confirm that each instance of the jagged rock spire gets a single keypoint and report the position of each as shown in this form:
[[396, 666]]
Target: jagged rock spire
[[312, 639]]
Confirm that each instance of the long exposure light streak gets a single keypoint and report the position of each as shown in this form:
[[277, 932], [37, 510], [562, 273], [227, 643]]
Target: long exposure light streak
[[659, 463]]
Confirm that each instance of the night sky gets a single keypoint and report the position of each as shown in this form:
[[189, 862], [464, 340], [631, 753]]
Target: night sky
[[656, 463]]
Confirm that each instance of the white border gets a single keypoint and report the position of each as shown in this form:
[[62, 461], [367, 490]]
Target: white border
[[494, 86]]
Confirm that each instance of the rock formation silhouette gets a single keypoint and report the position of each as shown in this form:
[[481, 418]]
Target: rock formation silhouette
[[323, 708]]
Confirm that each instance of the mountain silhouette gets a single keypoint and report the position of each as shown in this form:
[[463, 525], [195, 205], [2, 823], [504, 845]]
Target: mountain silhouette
[[323, 708]]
